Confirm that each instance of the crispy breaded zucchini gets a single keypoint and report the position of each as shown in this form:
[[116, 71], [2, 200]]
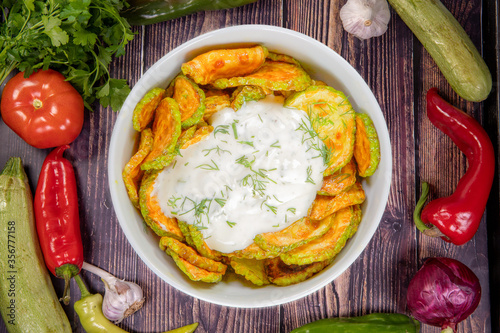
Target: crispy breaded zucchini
[[193, 272], [253, 251], [166, 131], [329, 245], [283, 58], [366, 146], [340, 180], [132, 172], [251, 269], [191, 100], [244, 94], [272, 75], [324, 206], [224, 63], [151, 210], [282, 274], [198, 135], [189, 254], [298, 233], [332, 117], [144, 110], [195, 238], [214, 104]]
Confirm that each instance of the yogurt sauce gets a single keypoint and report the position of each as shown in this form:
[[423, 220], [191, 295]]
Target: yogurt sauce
[[258, 171]]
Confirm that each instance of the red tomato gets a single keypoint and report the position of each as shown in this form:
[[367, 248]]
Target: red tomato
[[43, 109]]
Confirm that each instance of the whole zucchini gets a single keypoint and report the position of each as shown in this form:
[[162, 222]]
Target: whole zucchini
[[28, 302], [371, 323], [449, 45], [143, 12]]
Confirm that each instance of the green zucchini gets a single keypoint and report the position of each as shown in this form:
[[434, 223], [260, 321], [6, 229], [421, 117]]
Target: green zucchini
[[28, 302], [449, 45]]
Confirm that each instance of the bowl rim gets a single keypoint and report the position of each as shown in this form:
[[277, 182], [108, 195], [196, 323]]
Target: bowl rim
[[114, 177]]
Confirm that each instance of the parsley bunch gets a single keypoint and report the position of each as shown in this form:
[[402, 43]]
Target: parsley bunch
[[78, 38]]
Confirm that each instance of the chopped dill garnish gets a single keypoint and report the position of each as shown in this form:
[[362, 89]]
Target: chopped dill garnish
[[231, 224], [248, 143], [276, 144], [221, 129], [309, 178], [213, 167], [235, 132]]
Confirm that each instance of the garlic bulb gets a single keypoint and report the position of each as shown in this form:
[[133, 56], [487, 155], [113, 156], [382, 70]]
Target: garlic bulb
[[365, 18], [121, 298]]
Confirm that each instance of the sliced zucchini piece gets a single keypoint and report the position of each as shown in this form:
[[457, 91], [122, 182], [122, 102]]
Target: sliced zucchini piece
[[193, 272], [151, 210], [189, 254], [166, 131], [246, 93], [298, 233], [366, 146], [214, 104], [324, 206], [144, 110], [282, 274], [340, 180], [272, 75], [224, 63], [251, 269], [132, 173], [191, 100], [329, 245], [333, 119]]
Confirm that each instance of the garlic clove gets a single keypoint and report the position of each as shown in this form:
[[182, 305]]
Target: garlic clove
[[365, 18], [121, 299]]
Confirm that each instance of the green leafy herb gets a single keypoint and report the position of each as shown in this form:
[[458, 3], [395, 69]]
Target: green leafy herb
[[76, 38], [231, 224]]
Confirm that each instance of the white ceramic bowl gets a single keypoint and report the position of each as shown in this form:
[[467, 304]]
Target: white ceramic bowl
[[322, 63]]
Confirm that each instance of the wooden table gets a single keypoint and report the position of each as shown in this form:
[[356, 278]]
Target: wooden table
[[399, 71]]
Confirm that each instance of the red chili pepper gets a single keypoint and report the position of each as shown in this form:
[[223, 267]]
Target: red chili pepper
[[456, 218], [57, 218]]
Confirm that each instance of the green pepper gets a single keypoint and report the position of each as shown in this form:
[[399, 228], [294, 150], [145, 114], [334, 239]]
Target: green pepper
[[372, 323], [143, 12]]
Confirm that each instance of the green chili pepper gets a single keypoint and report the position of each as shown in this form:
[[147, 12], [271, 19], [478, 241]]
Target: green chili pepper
[[143, 12], [372, 323]]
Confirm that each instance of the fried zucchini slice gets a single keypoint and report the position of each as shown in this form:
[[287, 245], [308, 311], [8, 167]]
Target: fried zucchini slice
[[324, 206], [333, 118], [198, 135], [224, 63], [166, 131], [196, 240], [132, 173], [193, 272], [144, 110], [282, 58], [151, 210], [329, 245], [191, 100], [253, 251], [189, 254], [251, 269], [214, 104], [340, 180], [246, 93], [366, 146], [272, 75], [298, 233], [282, 274]]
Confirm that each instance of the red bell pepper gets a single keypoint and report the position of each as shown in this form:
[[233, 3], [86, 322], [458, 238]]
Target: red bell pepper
[[57, 218], [456, 218]]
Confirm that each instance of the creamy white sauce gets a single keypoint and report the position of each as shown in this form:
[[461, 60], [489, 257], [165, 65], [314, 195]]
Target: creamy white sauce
[[258, 171]]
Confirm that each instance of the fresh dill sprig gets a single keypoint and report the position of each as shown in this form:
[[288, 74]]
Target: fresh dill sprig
[[223, 129], [309, 174]]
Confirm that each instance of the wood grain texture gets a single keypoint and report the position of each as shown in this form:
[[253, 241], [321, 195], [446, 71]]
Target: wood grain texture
[[399, 72]]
